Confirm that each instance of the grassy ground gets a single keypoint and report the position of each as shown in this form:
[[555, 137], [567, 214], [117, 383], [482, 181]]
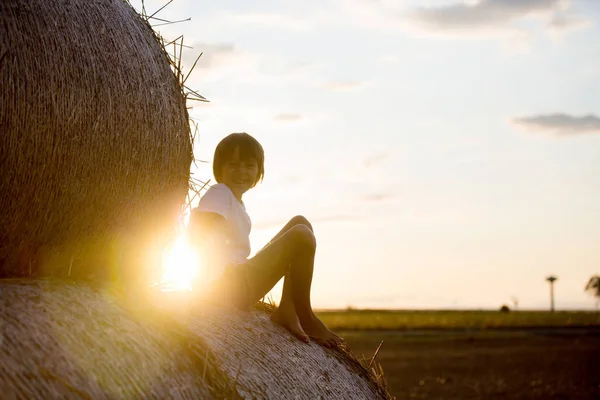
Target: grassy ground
[[403, 320], [478, 354], [496, 365]]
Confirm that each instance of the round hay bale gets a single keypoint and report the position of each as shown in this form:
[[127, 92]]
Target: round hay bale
[[59, 339], [96, 148], [266, 361]]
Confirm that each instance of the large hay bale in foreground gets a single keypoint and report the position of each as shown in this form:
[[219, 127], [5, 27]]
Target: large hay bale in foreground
[[95, 136], [267, 362], [72, 341], [59, 340]]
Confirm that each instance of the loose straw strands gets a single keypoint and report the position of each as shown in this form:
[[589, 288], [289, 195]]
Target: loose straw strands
[[174, 49]]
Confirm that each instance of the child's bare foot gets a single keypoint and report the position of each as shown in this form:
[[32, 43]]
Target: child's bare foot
[[317, 330], [289, 320]]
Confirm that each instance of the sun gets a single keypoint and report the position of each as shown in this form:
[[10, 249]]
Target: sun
[[181, 267]]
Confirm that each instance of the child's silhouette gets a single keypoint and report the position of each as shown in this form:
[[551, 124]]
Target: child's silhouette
[[220, 223]]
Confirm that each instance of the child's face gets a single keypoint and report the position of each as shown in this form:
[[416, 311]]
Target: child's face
[[239, 175]]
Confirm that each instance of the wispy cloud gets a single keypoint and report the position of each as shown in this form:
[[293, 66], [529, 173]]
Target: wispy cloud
[[213, 55], [460, 19], [288, 117], [481, 14], [235, 63], [563, 22], [274, 20], [219, 60], [560, 124], [356, 13], [493, 18]]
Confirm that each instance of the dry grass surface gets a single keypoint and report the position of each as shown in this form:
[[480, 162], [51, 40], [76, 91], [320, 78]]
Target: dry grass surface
[[456, 320], [487, 365], [73, 340], [369, 368], [68, 340], [96, 146]]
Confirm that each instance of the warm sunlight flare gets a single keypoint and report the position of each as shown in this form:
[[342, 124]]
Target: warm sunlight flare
[[181, 266]]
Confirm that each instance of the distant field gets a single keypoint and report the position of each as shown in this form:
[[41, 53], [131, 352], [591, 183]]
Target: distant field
[[403, 320], [484, 365]]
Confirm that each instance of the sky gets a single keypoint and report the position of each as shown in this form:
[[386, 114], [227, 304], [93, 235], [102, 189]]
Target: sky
[[447, 153]]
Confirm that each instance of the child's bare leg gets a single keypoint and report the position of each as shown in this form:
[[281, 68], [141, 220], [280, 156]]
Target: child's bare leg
[[297, 220], [291, 252], [300, 279], [312, 325], [286, 315], [266, 268]]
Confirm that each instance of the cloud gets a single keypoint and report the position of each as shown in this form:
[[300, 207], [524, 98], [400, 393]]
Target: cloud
[[218, 61], [306, 17], [560, 124], [481, 14], [214, 55], [338, 86], [288, 117], [227, 61], [563, 22], [274, 20], [496, 18]]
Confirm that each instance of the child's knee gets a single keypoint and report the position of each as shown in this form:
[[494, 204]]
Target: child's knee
[[304, 236], [301, 220]]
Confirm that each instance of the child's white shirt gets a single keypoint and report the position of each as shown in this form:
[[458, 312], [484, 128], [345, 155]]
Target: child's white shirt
[[219, 199]]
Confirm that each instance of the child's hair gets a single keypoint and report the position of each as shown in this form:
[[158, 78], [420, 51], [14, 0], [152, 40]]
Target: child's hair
[[249, 149]]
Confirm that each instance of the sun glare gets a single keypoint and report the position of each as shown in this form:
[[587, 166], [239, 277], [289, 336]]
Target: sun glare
[[181, 266]]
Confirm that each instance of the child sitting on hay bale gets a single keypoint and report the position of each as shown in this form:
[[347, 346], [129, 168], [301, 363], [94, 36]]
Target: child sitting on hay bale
[[222, 226]]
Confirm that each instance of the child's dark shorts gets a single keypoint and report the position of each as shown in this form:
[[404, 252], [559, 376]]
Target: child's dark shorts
[[234, 284], [237, 286]]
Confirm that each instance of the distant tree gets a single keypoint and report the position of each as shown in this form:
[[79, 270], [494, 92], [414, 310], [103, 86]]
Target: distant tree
[[504, 308], [551, 280], [593, 287]]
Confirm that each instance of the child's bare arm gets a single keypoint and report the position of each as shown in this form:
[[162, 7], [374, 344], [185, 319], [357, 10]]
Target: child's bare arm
[[206, 224], [206, 232]]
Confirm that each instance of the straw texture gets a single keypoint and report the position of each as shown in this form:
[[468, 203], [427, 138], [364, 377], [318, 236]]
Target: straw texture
[[64, 340], [265, 361], [96, 146], [70, 340]]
